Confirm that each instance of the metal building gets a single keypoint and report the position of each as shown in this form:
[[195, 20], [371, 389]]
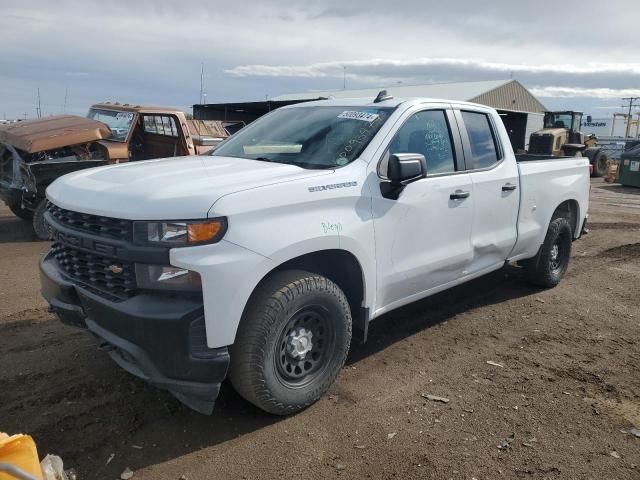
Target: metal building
[[520, 110]]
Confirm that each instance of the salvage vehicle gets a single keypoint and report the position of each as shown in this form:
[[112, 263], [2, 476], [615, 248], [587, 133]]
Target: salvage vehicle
[[561, 136], [33, 153], [264, 259]]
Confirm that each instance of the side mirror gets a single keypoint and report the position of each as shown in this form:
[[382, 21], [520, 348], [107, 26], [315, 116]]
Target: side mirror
[[404, 168]]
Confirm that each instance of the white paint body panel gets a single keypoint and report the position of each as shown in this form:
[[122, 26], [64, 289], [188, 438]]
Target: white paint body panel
[[165, 189], [408, 248], [544, 185]]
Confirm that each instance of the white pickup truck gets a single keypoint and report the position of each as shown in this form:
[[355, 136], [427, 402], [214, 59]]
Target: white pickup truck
[[262, 259]]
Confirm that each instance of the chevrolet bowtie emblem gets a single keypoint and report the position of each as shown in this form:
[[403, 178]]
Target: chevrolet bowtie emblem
[[115, 269]]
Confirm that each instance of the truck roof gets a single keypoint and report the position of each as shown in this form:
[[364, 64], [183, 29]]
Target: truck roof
[[368, 102], [127, 107]]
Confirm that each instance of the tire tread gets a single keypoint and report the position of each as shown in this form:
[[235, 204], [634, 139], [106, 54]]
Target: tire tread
[[536, 269], [261, 314]]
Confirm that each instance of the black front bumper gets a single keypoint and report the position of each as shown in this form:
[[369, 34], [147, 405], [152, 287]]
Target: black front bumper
[[159, 338]]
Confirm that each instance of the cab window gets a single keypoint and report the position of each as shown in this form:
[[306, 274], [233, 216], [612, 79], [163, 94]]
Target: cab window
[[160, 125], [426, 133], [484, 149]]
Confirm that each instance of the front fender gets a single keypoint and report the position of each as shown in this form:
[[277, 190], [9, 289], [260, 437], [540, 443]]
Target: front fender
[[229, 275]]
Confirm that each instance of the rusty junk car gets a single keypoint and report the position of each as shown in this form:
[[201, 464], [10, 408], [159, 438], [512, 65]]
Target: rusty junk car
[[33, 153]]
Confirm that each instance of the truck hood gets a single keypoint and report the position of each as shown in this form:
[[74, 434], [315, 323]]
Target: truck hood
[[167, 189], [52, 132]]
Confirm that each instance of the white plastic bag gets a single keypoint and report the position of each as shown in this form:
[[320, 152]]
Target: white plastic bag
[[52, 468]]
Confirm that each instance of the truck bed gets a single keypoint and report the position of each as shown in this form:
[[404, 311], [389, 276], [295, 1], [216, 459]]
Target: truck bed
[[545, 183], [532, 157]]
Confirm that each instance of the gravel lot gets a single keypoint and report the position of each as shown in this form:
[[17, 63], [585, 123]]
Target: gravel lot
[[564, 384]]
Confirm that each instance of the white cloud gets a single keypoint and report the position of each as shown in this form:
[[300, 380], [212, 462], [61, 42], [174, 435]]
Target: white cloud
[[325, 69], [578, 92]]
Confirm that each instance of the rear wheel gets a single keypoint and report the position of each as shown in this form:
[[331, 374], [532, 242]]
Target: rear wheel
[[548, 267], [599, 163], [40, 225], [292, 342], [15, 205]]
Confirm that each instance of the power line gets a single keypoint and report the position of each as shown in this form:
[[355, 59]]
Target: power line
[[631, 105]]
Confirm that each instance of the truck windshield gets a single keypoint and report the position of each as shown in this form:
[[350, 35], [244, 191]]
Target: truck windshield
[[310, 137], [118, 122]]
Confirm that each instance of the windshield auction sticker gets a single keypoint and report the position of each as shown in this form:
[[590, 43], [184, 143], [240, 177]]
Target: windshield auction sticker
[[364, 116]]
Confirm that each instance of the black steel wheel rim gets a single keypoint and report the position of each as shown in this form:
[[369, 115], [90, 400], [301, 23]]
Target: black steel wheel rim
[[559, 254], [296, 371], [602, 165]]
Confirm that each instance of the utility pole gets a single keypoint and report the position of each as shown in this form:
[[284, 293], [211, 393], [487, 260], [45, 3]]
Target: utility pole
[[201, 82], [66, 94], [632, 104], [39, 108], [344, 77]]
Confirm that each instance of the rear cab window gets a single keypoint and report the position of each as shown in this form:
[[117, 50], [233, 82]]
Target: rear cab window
[[485, 150], [160, 125]]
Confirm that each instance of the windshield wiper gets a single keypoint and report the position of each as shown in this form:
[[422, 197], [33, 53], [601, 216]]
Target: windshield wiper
[[287, 162], [264, 159]]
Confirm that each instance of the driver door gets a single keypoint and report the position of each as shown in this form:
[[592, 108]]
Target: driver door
[[423, 238]]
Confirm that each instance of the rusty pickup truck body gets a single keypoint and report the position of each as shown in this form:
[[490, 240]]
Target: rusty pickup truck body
[[34, 153]]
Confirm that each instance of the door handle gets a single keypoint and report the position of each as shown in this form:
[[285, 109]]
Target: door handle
[[459, 195], [509, 187]]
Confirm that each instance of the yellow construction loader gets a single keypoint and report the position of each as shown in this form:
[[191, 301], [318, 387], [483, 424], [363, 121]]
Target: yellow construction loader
[[561, 136]]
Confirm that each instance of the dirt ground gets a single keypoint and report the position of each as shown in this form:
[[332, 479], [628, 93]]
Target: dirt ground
[[566, 387]]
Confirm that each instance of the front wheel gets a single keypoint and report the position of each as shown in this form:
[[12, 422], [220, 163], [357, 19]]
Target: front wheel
[[599, 163], [15, 205], [548, 267], [40, 225], [292, 342]]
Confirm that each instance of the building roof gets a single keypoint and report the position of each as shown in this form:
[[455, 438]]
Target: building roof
[[126, 107], [499, 94]]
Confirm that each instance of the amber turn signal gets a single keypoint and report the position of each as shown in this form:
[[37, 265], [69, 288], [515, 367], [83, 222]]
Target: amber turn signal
[[204, 232]]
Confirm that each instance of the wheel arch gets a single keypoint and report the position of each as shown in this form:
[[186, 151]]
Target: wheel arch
[[341, 267], [569, 209], [591, 152]]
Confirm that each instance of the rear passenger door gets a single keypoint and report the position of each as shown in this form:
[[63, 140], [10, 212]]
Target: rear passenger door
[[494, 177]]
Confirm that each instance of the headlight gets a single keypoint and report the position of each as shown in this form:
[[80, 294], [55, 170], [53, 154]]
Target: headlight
[[167, 277], [180, 233]]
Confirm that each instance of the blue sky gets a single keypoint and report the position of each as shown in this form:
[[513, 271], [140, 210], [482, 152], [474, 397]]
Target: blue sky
[[152, 51]]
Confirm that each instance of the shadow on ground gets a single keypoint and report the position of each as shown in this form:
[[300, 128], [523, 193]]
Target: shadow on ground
[[399, 324], [14, 229], [617, 188]]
